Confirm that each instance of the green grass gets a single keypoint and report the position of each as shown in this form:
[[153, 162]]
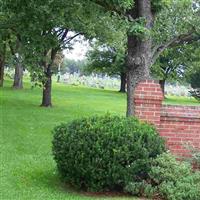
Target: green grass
[[173, 100], [27, 169]]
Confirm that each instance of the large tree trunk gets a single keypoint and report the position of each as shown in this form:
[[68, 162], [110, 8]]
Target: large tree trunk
[[123, 82], [139, 53], [18, 77], [47, 85]]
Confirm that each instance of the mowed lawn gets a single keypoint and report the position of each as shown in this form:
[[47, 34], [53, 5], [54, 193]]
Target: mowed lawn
[[27, 169]]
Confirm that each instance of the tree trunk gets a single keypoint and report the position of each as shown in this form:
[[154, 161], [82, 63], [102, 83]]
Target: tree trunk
[[162, 85], [58, 77], [18, 77], [139, 53], [1, 71], [2, 63], [123, 82], [47, 85]]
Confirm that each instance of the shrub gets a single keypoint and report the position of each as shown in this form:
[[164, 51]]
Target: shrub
[[175, 179], [195, 155], [105, 153], [141, 188], [169, 179]]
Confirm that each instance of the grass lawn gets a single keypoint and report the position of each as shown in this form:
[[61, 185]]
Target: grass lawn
[[27, 169]]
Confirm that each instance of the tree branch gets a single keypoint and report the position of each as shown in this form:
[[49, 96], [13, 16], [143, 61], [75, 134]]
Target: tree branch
[[71, 38], [64, 35], [181, 39]]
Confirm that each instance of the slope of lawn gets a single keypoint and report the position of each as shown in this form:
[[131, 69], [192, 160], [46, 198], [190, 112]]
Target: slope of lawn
[[27, 169]]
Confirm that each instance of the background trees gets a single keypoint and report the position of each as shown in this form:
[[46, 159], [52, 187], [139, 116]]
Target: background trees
[[108, 60], [175, 63], [44, 28]]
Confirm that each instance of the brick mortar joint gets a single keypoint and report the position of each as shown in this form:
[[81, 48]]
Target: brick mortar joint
[[186, 108]]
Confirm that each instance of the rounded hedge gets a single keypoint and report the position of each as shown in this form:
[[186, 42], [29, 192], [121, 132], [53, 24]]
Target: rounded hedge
[[105, 153]]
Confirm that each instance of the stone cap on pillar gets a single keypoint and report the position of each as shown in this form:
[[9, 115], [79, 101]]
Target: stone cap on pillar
[[148, 91]]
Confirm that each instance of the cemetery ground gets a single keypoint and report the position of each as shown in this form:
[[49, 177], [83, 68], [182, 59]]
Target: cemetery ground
[[27, 167]]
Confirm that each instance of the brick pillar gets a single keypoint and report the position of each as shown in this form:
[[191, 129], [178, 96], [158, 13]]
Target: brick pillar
[[148, 99]]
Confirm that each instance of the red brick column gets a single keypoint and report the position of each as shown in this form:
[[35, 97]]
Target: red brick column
[[148, 101], [178, 125]]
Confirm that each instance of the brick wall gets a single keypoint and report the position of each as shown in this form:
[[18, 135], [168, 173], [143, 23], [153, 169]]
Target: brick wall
[[178, 125]]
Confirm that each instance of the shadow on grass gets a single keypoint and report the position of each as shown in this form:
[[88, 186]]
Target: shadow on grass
[[50, 180]]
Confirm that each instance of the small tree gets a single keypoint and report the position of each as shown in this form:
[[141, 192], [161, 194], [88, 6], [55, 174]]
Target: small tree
[[108, 60], [174, 62]]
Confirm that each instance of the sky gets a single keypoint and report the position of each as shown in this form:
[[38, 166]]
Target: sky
[[78, 52]]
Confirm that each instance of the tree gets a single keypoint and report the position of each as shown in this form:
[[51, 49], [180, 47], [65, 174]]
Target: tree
[[15, 45], [174, 62], [108, 60], [195, 83], [151, 32], [45, 26], [11, 39], [2, 56], [193, 74], [73, 66]]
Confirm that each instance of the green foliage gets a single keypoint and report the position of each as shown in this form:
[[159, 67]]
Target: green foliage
[[166, 168], [73, 66], [174, 62], [142, 188], [181, 19], [174, 179], [106, 59], [194, 80], [158, 5], [105, 153], [137, 28], [46, 26], [169, 179], [195, 158]]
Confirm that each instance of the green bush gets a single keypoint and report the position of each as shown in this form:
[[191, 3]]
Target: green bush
[[175, 179], [141, 188], [169, 179], [195, 156], [105, 153]]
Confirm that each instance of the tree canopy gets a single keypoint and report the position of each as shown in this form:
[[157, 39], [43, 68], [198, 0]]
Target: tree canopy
[[45, 28]]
